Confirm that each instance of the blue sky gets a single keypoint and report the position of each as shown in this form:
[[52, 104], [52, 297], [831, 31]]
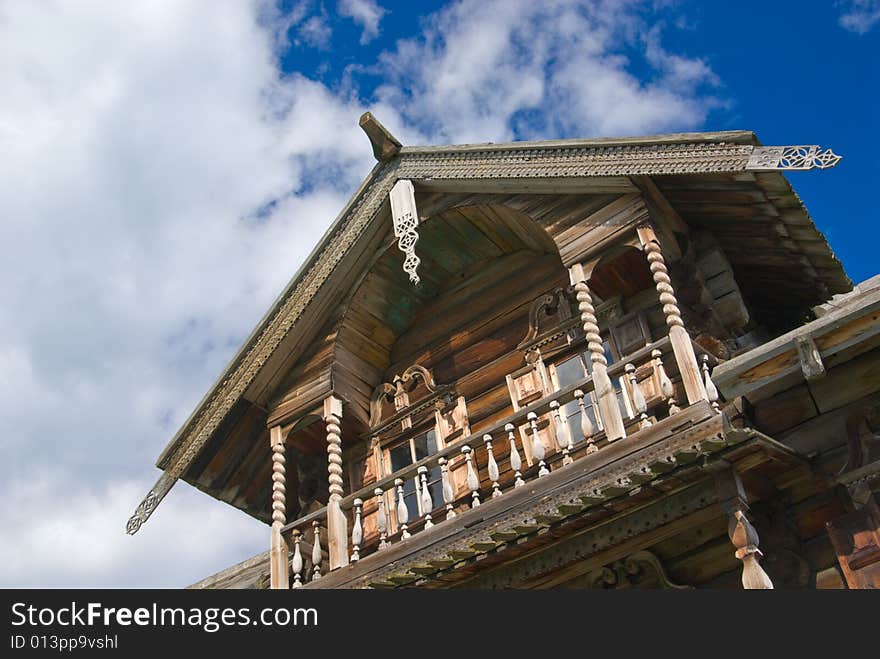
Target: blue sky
[[167, 166]]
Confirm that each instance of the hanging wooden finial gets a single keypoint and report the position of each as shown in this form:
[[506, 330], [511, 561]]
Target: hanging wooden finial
[[745, 538], [733, 501]]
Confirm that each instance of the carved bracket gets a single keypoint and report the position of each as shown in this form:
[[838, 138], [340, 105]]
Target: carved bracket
[[405, 216], [800, 157]]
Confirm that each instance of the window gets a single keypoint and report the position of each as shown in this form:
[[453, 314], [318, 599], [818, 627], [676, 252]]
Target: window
[[566, 373], [406, 453], [576, 368]]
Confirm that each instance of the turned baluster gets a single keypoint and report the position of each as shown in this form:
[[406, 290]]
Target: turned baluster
[[515, 460], [537, 445], [317, 554], [296, 564], [665, 383], [448, 493], [563, 436], [473, 481], [402, 510], [711, 389], [638, 398], [427, 502], [357, 531], [492, 466], [586, 423], [381, 518]]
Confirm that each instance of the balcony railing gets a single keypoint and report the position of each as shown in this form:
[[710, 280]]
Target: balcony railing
[[502, 465]]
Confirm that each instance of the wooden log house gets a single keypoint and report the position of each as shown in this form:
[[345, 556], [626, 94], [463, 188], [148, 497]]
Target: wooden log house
[[603, 363]]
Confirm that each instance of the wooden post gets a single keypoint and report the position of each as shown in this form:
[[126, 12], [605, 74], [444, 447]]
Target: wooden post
[[278, 575], [337, 524], [678, 336], [609, 410]]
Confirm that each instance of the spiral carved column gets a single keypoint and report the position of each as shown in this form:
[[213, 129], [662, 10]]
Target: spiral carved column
[[682, 347], [337, 524], [277, 547], [609, 410]]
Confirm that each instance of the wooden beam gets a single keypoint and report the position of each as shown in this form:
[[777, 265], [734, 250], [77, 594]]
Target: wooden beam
[[665, 217]]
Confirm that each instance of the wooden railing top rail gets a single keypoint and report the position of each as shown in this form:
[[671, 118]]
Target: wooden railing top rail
[[321, 513], [541, 406]]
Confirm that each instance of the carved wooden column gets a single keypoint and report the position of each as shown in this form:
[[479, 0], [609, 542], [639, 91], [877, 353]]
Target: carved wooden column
[[609, 410], [740, 531], [682, 347], [337, 524], [278, 578]]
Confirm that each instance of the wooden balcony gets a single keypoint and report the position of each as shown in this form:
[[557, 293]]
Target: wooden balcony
[[510, 505]]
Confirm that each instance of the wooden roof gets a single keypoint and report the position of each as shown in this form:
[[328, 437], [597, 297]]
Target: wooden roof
[[712, 179]]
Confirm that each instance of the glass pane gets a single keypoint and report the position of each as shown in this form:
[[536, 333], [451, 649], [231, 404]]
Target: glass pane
[[607, 346], [570, 371], [436, 490], [400, 457], [425, 445], [409, 497]]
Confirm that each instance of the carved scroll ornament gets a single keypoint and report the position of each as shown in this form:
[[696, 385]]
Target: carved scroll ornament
[[801, 157], [406, 221]]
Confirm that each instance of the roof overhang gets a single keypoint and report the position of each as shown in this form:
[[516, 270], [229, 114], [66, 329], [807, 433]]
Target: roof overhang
[[728, 152]]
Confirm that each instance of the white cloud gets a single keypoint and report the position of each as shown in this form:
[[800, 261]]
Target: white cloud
[[366, 13], [859, 16], [486, 70], [139, 143]]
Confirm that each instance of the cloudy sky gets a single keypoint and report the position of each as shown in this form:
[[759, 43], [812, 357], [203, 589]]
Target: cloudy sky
[[165, 166]]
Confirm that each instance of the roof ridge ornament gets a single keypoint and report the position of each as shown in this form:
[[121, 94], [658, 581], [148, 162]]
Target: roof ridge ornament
[[406, 219], [800, 157], [385, 145]]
